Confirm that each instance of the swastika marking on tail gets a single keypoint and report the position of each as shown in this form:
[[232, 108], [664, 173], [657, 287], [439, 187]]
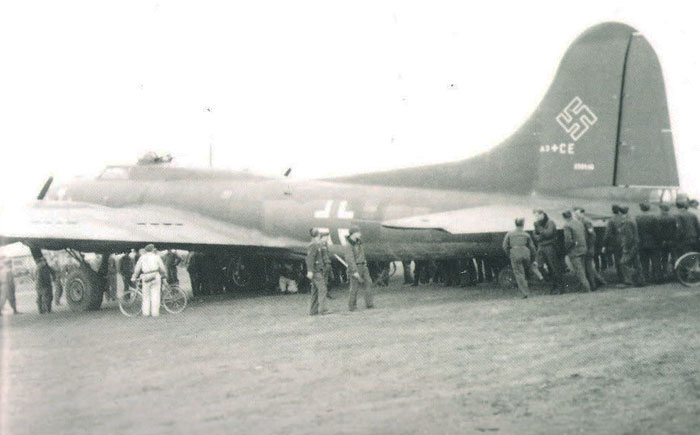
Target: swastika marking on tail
[[576, 118]]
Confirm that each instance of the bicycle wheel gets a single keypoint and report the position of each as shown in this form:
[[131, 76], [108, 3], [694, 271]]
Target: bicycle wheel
[[130, 303], [174, 299], [688, 269]]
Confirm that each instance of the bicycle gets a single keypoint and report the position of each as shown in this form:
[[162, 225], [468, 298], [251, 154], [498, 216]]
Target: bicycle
[[172, 298]]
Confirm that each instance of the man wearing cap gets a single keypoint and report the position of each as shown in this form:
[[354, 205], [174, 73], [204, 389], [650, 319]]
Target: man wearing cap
[[327, 264], [150, 269], [631, 265], [545, 235], [594, 277], [357, 269], [576, 247], [688, 229], [315, 272], [7, 285], [521, 251], [44, 289], [649, 243], [668, 235], [612, 242], [315, 264], [171, 261]]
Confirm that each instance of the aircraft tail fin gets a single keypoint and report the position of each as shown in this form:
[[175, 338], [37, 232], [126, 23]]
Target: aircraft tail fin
[[603, 122]]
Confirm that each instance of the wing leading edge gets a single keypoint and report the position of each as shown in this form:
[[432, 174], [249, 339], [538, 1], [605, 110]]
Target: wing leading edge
[[88, 227]]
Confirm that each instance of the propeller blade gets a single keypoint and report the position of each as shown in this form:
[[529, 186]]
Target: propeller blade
[[45, 189]]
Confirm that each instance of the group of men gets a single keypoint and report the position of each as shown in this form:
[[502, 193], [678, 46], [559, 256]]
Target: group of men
[[642, 249], [318, 267]]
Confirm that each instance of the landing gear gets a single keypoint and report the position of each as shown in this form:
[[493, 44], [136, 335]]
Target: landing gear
[[241, 271], [84, 289], [687, 269]]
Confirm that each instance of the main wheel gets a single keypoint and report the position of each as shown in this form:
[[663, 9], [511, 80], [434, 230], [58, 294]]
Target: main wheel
[[130, 303], [688, 269], [506, 278], [241, 271], [84, 289], [173, 298]]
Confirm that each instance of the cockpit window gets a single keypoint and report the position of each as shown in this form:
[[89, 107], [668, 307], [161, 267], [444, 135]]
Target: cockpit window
[[114, 173]]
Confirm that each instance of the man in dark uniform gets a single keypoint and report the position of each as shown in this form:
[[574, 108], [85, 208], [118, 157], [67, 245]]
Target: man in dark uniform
[[7, 285], [171, 261], [631, 265], [576, 248], [649, 243], [327, 263], [357, 269], [668, 235], [688, 230], [315, 264], [194, 270], [126, 269], [520, 249], [44, 294], [545, 235], [594, 278], [612, 241]]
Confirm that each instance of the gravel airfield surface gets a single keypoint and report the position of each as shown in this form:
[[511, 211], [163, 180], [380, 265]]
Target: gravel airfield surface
[[427, 360]]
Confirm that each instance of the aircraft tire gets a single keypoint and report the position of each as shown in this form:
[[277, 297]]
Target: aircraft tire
[[83, 290], [506, 278]]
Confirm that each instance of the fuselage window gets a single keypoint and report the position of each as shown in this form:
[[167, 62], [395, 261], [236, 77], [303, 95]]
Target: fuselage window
[[115, 173]]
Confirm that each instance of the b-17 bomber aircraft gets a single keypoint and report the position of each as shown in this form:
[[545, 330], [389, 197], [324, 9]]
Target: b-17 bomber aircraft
[[600, 135]]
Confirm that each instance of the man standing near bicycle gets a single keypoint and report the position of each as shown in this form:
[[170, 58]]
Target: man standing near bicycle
[[150, 269]]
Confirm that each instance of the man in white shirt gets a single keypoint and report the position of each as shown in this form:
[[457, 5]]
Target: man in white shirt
[[150, 269]]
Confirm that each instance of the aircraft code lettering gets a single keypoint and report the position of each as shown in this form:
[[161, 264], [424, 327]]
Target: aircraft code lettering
[[562, 148], [576, 118]]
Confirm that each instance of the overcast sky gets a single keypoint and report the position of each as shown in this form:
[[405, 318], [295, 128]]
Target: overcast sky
[[324, 87]]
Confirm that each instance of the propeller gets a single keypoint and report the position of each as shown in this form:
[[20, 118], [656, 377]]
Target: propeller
[[45, 189]]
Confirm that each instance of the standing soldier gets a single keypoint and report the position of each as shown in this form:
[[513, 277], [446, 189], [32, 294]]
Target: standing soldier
[[7, 285], [357, 269], [126, 269], [612, 240], [44, 291], [575, 247], [631, 266], [649, 243], [594, 277], [171, 261], [327, 264], [521, 250], [546, 237], [688, 230], [315, 265], [194, 269], [150, 269], [57, 274], [668, 235]]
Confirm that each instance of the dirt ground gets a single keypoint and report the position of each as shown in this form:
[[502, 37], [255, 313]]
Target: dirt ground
[[427, 360]]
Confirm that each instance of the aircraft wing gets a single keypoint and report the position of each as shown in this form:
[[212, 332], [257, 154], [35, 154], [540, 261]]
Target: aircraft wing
[[89, 227], [494, 218]]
